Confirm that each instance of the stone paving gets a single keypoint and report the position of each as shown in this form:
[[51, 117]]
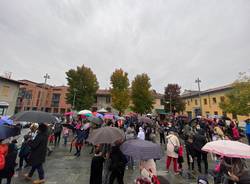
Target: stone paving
[[64, 168]]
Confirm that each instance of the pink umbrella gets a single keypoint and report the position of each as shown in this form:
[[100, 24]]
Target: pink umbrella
[[227, 148], [68, 113], [108, 116]]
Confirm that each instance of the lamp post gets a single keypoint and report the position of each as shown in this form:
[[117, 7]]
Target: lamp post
[[46, 77], [198, 81]]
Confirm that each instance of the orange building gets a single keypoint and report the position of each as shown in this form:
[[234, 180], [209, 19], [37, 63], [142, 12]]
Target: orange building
[[38, 96]]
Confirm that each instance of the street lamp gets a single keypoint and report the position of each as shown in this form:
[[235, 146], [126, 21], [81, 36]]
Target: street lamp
[[198, 81], [46, 77]]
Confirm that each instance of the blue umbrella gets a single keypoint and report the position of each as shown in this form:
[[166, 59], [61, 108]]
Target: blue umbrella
[[7, 131], [141, 150], [6, 120]]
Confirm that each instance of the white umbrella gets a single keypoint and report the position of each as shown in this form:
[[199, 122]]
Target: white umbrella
[[102, 110], [228, 148], [82, 112]]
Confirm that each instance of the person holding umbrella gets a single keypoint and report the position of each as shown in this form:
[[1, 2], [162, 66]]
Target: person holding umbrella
[[38, 153]]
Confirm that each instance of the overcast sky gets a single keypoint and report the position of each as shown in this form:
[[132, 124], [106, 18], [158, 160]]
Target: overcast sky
[[174, 41]]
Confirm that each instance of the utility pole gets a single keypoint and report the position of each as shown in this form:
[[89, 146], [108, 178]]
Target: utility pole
[[198, 81], [46, 77]]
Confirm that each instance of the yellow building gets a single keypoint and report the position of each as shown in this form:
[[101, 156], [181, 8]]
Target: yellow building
[[210, 100]]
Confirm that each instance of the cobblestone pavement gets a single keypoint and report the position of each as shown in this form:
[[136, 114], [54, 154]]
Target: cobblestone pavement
[[62, 167]]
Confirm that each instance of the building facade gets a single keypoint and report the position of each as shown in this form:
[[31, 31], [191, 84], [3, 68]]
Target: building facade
[[208, 103], [38, 96], [9, 90]]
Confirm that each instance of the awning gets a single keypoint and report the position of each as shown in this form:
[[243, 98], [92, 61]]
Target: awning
[[4, 104], [160, 111]]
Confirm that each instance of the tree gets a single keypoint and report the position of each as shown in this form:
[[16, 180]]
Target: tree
[[141, 95], [119, 91], [83, 85], [237, 101], [173, 99]]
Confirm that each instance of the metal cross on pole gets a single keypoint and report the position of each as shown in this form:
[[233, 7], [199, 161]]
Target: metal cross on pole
[[198, 81]]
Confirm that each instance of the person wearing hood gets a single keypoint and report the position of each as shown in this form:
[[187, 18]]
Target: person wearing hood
[[141, 134], [198, 142], [38, 148]]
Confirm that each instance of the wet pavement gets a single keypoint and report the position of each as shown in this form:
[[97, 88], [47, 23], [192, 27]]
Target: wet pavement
[[62, 167]]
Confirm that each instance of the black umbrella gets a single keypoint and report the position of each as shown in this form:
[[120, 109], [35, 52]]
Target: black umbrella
[[69, 126], [7, 131], [35, 116]]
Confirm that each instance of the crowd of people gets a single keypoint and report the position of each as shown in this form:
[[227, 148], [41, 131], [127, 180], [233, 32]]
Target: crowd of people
[[176, 134]]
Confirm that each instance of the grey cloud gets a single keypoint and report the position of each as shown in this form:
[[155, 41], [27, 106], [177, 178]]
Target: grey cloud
[[171, 40]]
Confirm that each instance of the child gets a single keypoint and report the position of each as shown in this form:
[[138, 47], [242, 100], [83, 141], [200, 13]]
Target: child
[[180, 157], [24, 152], [96, 167], [65, 135]]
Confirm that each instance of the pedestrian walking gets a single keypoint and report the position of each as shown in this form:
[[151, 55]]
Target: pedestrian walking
[[117, 167], [65, 135], [38, 153], [24, 152], [180, 158], [141, 134], [190, 153], [57, 133], [198, 143], [96, 167], [172, 150], [161, 131]]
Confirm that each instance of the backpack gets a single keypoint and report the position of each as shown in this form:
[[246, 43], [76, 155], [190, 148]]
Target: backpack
[[3, 153]]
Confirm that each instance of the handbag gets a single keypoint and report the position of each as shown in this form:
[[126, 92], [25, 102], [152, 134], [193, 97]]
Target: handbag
[[176, 148]]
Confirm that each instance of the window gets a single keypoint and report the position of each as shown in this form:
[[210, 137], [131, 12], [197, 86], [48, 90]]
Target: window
[[215, 113], [108, 99], [222, 98], [188, 102], [214, 100], [5, 91], [39, 94], [196, 102], [55, 100], [205, 101]]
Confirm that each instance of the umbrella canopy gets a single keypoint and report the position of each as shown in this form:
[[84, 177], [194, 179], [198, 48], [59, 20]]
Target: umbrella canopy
[[102, 110], [106, 135], [86, 126], [95, 120], [7, 131], [6, 120], [141, 150], [35, 116], [69, 113], [227, 148], [84, 112], [108, 116], [145, 120], [69, 126]]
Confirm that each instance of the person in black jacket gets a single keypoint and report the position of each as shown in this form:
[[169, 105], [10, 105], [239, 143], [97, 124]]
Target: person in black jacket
[[118, 163], [38, 153], [10, 165], [199, 141]]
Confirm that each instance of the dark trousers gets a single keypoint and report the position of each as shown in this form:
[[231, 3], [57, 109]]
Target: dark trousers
[[202, 156], [162, 138], [117, 174], [188, 161], [57, 138], [8, 180], [39, 169], [248, 138], [21, 159]]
